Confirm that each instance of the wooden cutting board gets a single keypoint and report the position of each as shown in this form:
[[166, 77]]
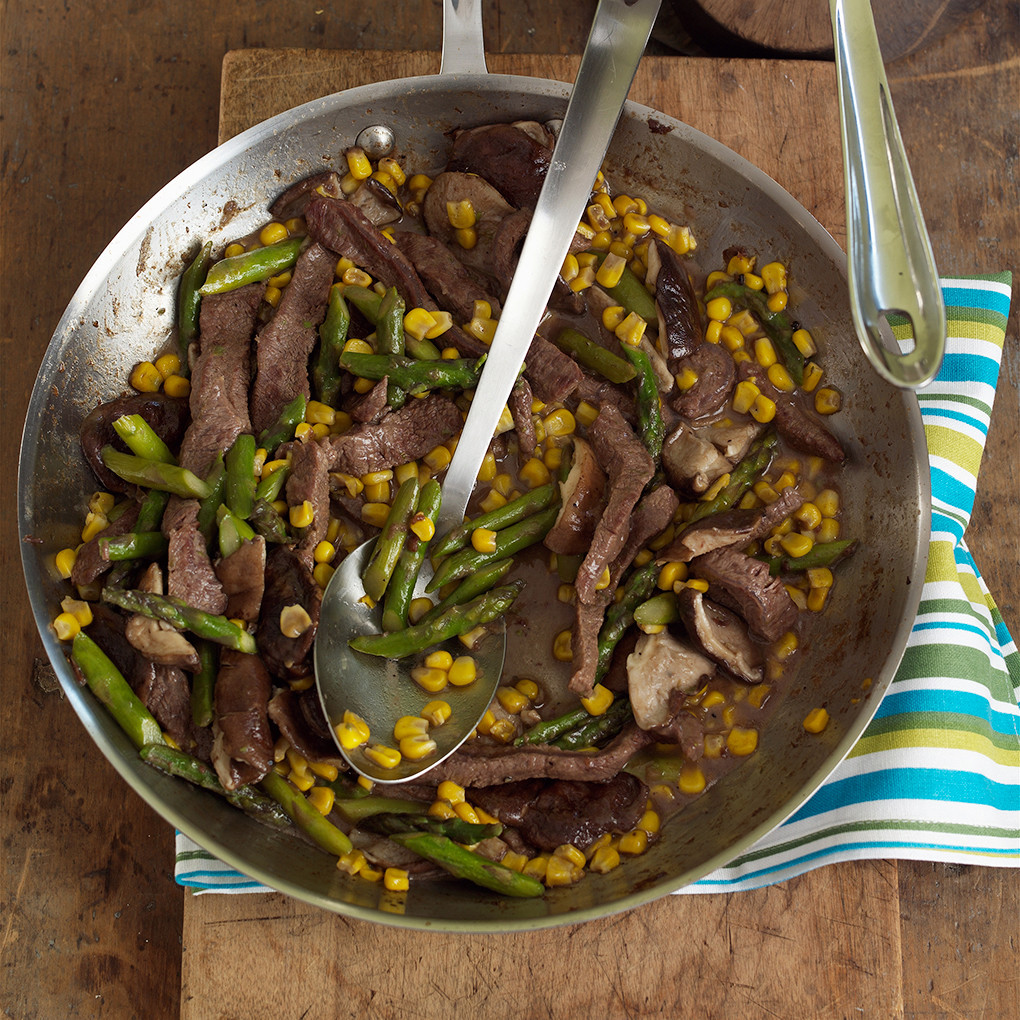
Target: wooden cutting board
[[746, 955]]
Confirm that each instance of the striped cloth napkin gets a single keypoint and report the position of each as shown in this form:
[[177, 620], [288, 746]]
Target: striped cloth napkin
[[936, 776]]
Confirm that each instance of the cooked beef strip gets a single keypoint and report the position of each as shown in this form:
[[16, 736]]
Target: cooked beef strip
[[511, 159], [289, 711], [167, 695], [553, 374], [368, 408], [599, 391], [721, 635], [550, 813], [446, 277], [681, 727], [309, 480], [716, 374], [477, 764], [294, 201], [744, 584], [89, 564], [283, 347], [344, 229], [289, 582], [520, 410], [801, 428], [732, 527], [243, 576], [680, 329], [628, 468], [168, 417], [400, 437], [190, 574], [662, 663], [241, 722], [220, 376], [584, 643]]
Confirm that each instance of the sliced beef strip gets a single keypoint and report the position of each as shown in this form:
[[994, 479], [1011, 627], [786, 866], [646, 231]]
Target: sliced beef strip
[[446, 277], [220, 376], [166, 693], [400, 437], [168, 416], [289, 711], [241, 720], [520, 410], [89, 564], [550, 813], [294, 201], [243, 576], [721, 635], [660, 664], [680, 329], [717, 376], [629, 468], [477, 764], [744, 585], [289, 582], [801, 428], [553, 375], [732, 527], [308, 480], [368, 408], [190, 573], [286, 342], [511, 159], [343, 228], [681, 727], [600, 391]]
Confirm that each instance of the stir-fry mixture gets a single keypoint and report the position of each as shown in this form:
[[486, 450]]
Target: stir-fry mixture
[[657, 517]]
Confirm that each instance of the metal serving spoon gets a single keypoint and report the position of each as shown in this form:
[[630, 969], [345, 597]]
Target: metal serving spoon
[[381, 691], [891, 266]]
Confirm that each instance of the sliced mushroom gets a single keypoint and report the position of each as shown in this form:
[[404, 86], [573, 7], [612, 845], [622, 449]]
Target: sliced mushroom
[[659, 665], [680, 329], [581, 503], [721, 635], [156, 640], [691, 463]]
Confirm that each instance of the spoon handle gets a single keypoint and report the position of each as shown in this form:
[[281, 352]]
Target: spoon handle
[[891, 266], [618, 37]]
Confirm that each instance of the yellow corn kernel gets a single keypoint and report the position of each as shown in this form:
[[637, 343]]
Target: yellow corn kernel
[[716, 487], [634, 842], [809, 515], [741, 742], [64, 562], [431, 680], [281, 281], [812, 377], [744, 395], [233, 249], [785, 646], [528, 688], [145, 377], [324, 552], [605, 859], [419, 182], [512, 700], [439, 659], [396, 880], [417, 746], [378, 492], [586, 413], [438, 458], [534, 473], [804, 342], [774, 275], [599, 701], [777, 302], [636, 224], [351, 862], [613, 316], [503, 483], [820, 577], [450, 792], [385, 757], [77, 608], [355, 277], [816, 720], [720, 309], [301, 516], [302, 781], [553, 458], [493, 501], [796, 544], [483, 540], [514, 861], [611, 271], [418, 608], [570, 268], [443, 322], [410, 726], [66, 626], [294, 621], [370, 873], [560, 423], [631, 330], [827, 502], [763, 409], [358, 163], [650, 822], [765, 352], [670, 574], [94, 524], [681, 239], [712, 699], [424, 527], [828, 530], [816, 598], [437, 712], [322, 573], [585, 278], [462, 671], [562, 648], [691, 780], [466, 812], [686, 379], [797, 596], [375, 513], [317, 412], [466, 237], [417, 322], [168, 365], [321, 798], [559, 872], [273, 232], [753, 282], [713, 332], [536, 867], [603, 582], [828, 400]]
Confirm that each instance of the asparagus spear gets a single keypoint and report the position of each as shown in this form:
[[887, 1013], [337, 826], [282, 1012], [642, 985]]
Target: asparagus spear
[[594, 356], [269, 524], [754, 463], [824, 554], [648, 400], [251, 266], [108, 684], [509, 541], [391, 540], [597, 728], [453, 828], [141, 439], [290, 417], [154, 474], [217, 482], [471, 587], [657, 611], [239, 494], [182, 617], [189, 299], [305, 816], [464, 863], [332, 336], [184, 766], [150, 514], [271, 486], [620, 615], [412, 375], [400, 590], [135, 544], [495, 520], [548, 730], [458, 620], [203, 683]]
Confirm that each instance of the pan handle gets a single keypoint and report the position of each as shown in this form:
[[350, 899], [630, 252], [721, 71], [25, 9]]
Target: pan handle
[[463, 44], [891, 266]]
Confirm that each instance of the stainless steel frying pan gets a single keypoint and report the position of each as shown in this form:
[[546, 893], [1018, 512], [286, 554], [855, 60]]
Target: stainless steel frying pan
[[123, 311]]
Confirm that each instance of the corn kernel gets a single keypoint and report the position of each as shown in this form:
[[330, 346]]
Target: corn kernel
[[820, 577], [712, 699], [272, 233], [816, 720], [321, 798], [424, 527], [322, 573], [797, 545], [720, 308], [473, 638], [438, 458], [560, 423], [536, 867], [604, 580], [64, 562], [534, 473], [358, 163], [812, 377], [233, 249], [431, 680], [631, 330], [560, 871], [301, 516], [605, 859], [827, 502], [742, 742], [396, 880], [437, 712], [562, 647], [828, 400], [612, 316], [599, 701], [763, 409], [483, 540], [816, 598], [670, 574], [785, 646], [691, 780], [145, 377], [777, 302], [514, 861], [611, 271], [462, 671], [417, 746], [650, 822], [553, 458], [66, 626], [493, 501], [370, 873], [351, 862], [713, 332], [385, 757], [450, 792], [804, 342], [512, 700], [753, 282], [586, 413], [744, 396], [443, 322], [634, 842]]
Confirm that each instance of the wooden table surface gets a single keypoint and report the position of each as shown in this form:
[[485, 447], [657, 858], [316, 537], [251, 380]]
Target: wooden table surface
[[103, 102]]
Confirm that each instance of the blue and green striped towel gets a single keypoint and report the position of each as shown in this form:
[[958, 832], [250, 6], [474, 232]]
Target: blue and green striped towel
[[936, 775]]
